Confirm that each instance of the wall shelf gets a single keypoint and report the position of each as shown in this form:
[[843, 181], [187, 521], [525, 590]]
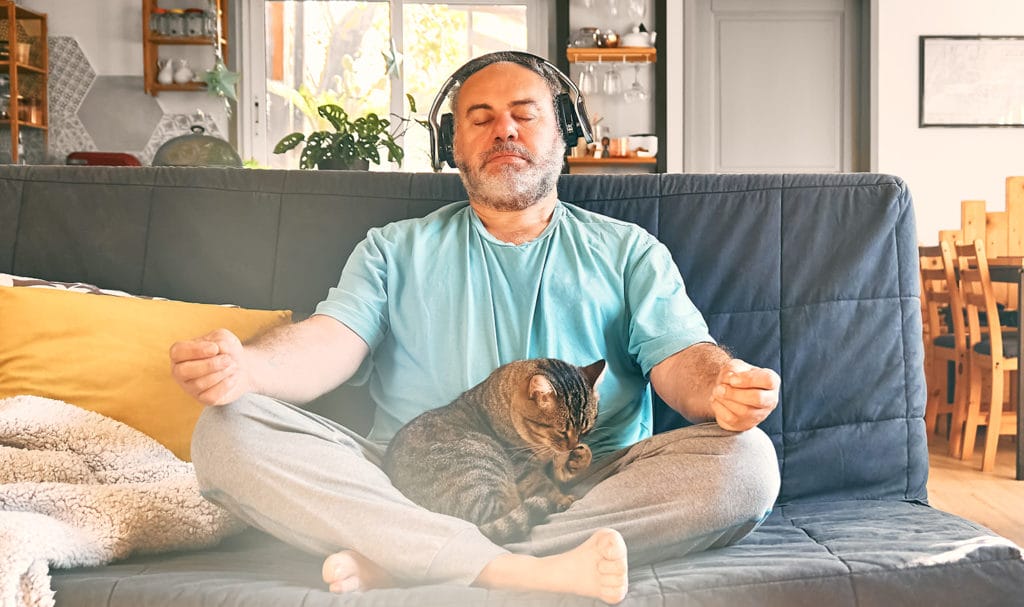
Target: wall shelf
[[185, 87], [626, 161], [152, 41], [26, 76], [629, 54]]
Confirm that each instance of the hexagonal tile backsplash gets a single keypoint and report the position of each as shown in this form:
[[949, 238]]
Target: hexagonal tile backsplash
[[118, 114], [103, 113], [71, 75]]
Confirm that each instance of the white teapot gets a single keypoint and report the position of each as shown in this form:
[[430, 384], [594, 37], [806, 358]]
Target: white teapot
[[638, 38]]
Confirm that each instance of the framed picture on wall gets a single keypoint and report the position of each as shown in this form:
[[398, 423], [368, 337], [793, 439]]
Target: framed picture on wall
[[971, 81]]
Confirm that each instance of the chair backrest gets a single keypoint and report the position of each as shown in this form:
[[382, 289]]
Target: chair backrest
[[940, 292], [978, 296]]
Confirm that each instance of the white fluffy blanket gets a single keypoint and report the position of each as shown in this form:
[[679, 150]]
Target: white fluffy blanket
[[80, 489]]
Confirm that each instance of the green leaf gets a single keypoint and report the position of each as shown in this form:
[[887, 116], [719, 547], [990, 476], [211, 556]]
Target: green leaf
[[412, 102], [395, 151], [335, 115], [288, 142], [310, 156]]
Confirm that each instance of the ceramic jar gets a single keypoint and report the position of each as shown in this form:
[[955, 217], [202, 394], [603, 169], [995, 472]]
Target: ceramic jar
[[183, 73], [608, 39]]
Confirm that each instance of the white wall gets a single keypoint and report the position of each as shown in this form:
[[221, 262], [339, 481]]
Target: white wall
[[110, 34], [109, 31], [942, 166]]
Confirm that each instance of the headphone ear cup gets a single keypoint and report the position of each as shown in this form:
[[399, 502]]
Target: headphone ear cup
[[567, 120], [446, 140]]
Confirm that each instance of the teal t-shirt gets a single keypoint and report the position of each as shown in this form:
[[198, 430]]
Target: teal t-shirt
[[442, 303]]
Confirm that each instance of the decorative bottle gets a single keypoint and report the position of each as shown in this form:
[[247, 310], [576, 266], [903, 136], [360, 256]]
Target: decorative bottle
[[166, 73]]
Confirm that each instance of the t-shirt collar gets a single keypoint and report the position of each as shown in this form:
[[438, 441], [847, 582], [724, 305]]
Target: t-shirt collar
[[556, 217]]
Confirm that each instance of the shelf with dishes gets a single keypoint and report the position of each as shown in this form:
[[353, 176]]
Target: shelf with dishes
[[611, 161], [24, 124], [627, 54], [156, 87], [24, 61], [162, 28], [5, 67]]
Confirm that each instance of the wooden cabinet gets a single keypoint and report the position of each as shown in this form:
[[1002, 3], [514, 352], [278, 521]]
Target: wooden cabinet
[[569, 15], [24, 63], [153, 41]]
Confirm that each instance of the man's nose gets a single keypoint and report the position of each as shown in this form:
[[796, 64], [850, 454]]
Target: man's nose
[[505, 128]]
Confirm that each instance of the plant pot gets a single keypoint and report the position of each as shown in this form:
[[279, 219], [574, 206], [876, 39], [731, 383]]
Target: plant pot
[[336, 164]]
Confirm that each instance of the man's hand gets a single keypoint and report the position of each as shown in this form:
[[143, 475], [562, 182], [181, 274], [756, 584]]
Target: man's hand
[[744, 395], [211, 368]]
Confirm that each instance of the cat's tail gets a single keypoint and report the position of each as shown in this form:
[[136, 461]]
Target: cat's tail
[[516, 524]]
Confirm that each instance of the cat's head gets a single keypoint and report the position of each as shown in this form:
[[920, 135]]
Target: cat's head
[[560, 405]]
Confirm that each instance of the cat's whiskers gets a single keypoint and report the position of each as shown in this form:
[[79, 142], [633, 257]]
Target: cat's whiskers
[[592, 436]]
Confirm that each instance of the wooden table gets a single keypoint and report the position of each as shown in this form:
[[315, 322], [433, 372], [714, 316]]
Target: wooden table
[[1011, 270]]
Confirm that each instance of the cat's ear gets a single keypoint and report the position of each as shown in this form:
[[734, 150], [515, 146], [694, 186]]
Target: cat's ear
[[541, 390], [594, 372]]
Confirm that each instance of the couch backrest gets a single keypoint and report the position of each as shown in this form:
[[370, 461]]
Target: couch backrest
[[812, 275]]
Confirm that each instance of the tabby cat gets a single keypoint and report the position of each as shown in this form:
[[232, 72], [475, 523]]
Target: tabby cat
[[498, 454]]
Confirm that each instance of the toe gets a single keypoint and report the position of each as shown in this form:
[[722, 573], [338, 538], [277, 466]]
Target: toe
[[612, 567], [611, 544], [337, 567], [348, 584]]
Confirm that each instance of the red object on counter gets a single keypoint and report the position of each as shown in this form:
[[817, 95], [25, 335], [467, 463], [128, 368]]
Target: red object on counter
[[120, 159]]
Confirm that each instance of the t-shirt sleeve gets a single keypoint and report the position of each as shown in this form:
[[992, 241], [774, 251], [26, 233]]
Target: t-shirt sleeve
[[360, 300], [663, 320]]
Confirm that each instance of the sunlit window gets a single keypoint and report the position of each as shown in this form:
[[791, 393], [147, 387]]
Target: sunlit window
[[367, 56]]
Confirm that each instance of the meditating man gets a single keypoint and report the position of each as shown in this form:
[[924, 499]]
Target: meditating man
[[426, 308]]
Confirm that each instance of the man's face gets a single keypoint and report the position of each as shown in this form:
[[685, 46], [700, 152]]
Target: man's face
[[507, 145]]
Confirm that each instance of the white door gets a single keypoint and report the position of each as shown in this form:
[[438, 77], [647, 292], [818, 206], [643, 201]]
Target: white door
[[771, 86]]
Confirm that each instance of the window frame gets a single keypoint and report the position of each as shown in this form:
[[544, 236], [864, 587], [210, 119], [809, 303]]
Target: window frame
[[250, 56]]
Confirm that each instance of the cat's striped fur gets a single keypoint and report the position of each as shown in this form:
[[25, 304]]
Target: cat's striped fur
[[499, 453]]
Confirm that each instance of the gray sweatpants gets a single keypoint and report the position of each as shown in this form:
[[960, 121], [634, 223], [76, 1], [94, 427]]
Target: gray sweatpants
[[318, 486]]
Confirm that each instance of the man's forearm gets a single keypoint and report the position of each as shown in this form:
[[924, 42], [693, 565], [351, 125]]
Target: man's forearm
[[297, 363], [685, 380]]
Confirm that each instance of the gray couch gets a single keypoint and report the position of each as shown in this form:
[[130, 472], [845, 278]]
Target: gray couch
[[812, 275]]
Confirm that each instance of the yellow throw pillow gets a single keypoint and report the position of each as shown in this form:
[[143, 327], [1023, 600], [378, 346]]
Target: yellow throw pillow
[[110, 354]]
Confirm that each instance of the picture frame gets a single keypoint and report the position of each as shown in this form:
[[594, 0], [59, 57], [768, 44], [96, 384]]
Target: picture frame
[[971, 81]]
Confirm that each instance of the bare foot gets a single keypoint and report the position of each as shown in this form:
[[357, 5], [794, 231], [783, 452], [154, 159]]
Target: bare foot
[[348, 571], [596, 568]]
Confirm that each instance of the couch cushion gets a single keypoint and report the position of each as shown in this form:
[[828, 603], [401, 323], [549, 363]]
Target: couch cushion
[[1011, 347], [813, 276], [822, 554], [110, 354]]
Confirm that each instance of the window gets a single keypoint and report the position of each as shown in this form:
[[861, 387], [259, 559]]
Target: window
[[365, 56]]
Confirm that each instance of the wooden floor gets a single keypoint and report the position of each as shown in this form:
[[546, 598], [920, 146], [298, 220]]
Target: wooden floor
[[993, 499]]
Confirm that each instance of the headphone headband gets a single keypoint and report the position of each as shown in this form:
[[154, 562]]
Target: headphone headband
[[571, 115]]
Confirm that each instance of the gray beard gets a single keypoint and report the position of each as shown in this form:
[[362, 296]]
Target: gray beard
[[514, 189]]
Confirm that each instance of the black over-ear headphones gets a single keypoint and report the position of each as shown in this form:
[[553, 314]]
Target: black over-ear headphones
[[572, 116]]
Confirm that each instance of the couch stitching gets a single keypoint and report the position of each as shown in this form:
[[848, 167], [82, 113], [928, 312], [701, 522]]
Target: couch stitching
[[849, 570], [903, 333], [784, 389], [851, 575], [17, 224]]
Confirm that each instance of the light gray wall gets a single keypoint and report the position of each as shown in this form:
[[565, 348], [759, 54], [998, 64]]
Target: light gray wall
[[96, 60], [942, 166]]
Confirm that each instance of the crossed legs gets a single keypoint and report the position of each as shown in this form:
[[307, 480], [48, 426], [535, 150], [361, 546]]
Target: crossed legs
[[315, 485]]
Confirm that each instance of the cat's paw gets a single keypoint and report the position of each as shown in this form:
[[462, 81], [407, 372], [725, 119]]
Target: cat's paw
[[579, 460], [563, 502]]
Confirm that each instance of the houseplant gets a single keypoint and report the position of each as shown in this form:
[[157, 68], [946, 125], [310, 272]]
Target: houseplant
[[354, 144]]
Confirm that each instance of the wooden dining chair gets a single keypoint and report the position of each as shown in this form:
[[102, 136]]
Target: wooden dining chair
[[942, 347], [994, 354]]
